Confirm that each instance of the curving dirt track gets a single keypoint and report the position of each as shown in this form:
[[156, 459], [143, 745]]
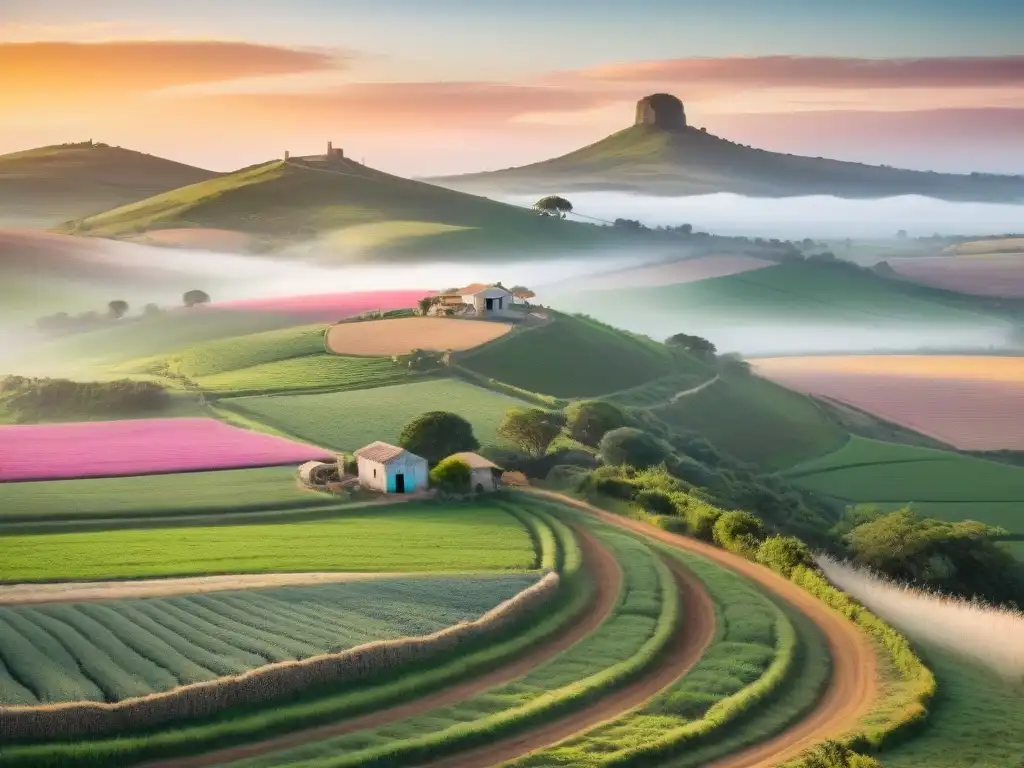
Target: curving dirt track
[[687, 645], [853, 688], [606, 576]]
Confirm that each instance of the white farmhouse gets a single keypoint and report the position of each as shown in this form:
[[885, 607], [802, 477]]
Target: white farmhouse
[[484, 475], [486, 300], [390, 469]]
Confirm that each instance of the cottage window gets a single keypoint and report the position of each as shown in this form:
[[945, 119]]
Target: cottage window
[[374, 472]]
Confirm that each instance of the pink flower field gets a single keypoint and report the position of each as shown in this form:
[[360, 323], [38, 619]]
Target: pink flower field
[[139, 447], [331, 306]]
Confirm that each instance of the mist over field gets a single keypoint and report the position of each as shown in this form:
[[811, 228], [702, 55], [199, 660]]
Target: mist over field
[[818, 216]]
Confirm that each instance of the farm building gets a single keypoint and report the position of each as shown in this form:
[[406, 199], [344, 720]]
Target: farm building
[[390, 469], [484, 300], [484, 475]]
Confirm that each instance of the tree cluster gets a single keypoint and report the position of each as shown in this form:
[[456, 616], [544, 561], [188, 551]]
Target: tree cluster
[[33, 399]]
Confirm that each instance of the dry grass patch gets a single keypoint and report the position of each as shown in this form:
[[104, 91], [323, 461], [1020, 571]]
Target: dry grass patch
[[404, 334]]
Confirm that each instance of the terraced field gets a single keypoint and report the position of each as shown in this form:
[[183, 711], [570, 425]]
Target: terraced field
[[413, 537], [942, 484], [573, 357], [108, 651], [350, 420]]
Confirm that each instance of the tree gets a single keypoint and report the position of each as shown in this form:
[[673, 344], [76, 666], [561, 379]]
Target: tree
[[452, 475], [686, 229], [426, 303], [438, 434], [553, 205], [531, 429], [590, 420], [633, 447], [195, 298], [117, 309], [739, 532], [695, 345]]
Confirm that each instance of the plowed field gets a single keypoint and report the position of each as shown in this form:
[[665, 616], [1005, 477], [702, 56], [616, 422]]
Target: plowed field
[[404, 334]]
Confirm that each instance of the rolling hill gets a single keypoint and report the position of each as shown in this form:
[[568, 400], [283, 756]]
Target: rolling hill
[[662, 155], [330, 208], [46, 186]]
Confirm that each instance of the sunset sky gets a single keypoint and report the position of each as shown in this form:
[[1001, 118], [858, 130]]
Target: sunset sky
[[448, 86]]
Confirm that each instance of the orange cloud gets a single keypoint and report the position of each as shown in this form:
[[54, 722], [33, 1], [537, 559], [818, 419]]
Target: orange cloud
[[52, 71]]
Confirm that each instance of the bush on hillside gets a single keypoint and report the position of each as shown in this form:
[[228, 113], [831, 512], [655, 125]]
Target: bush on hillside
[[833, 754], [784, 553], [701, 520], [451, 475], [531, 429], [589, 420], [633, 447], [437, 434], [656, 502], [739, 532]]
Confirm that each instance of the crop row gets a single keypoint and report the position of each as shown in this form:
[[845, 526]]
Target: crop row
[[641, 625], [117, 650], [321, 371], [231, 354], [319, 704], [752, 652]]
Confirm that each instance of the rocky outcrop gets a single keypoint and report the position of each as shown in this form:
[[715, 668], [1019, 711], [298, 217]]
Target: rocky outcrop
[[663, 110]]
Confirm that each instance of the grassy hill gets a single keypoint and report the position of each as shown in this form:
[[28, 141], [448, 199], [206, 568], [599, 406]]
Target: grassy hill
[[349, 210], [45, 186], [756, 421], [652, 160], [575, 357], [793, 307]]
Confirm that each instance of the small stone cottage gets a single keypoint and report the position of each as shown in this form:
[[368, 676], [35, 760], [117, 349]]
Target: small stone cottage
[[390, 469]]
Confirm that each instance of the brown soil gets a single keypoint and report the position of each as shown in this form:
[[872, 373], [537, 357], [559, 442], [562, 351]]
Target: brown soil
[[22, 594], [692, 636], [604, 573], [853, 689], [404, 334]]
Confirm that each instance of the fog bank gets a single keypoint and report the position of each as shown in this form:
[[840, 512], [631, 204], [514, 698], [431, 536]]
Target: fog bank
[[818, 216]]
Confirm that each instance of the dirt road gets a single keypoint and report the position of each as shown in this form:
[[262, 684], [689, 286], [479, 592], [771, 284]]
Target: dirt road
[[77, 591], [604, 573], [853, 688], [687, 645]]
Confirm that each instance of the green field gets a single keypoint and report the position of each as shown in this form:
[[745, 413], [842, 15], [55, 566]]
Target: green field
[[107, 651], [350, 420], [976, 720], [942, 484], [756, 421], [283, 202], [189, 493], [573, 357], [774, 308], [415, 536], [226, 355], [626, 642], [321, 371]]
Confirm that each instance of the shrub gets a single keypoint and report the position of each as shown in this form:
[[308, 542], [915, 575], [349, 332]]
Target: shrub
[[567, 475], [701, 520], [784, 553], [656, 502], [452, 475], [832, 754], [739, 532], [438, 434], [633, 447], [590, 420]]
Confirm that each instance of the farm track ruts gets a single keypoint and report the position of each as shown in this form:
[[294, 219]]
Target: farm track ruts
[[852, 690], [686, 647], [606, 576]]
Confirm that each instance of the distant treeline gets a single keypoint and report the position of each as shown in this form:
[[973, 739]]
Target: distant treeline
[[32, 399]]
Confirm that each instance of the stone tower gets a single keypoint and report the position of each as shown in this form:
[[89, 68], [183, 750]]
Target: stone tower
[[663, 110]]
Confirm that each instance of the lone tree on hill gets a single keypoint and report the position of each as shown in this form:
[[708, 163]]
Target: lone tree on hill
[[532, 429], [695, 345], [553, 205], [117, 308], [195, 298], [437, 434]]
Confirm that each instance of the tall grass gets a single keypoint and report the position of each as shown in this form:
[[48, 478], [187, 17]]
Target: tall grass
[[991, 636]]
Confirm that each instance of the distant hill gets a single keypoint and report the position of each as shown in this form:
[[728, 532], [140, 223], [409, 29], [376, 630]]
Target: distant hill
[[344, 209], [662, 155], [45, 186]]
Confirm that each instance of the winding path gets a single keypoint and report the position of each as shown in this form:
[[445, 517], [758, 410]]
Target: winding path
[[852, 691], [606, 576]]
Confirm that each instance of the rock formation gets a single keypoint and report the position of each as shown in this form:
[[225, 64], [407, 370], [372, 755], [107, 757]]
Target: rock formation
[[663, 110]]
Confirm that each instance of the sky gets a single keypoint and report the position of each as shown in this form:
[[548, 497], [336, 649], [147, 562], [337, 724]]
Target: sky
[[449, 86]]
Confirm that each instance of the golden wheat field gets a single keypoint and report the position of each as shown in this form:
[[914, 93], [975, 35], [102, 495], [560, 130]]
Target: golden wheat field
[[972, 403], [404, 334]]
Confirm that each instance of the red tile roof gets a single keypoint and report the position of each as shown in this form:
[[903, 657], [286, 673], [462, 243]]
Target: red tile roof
[[380, 452]]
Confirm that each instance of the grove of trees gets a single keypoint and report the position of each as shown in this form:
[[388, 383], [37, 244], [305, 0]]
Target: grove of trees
[[435, 435]]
